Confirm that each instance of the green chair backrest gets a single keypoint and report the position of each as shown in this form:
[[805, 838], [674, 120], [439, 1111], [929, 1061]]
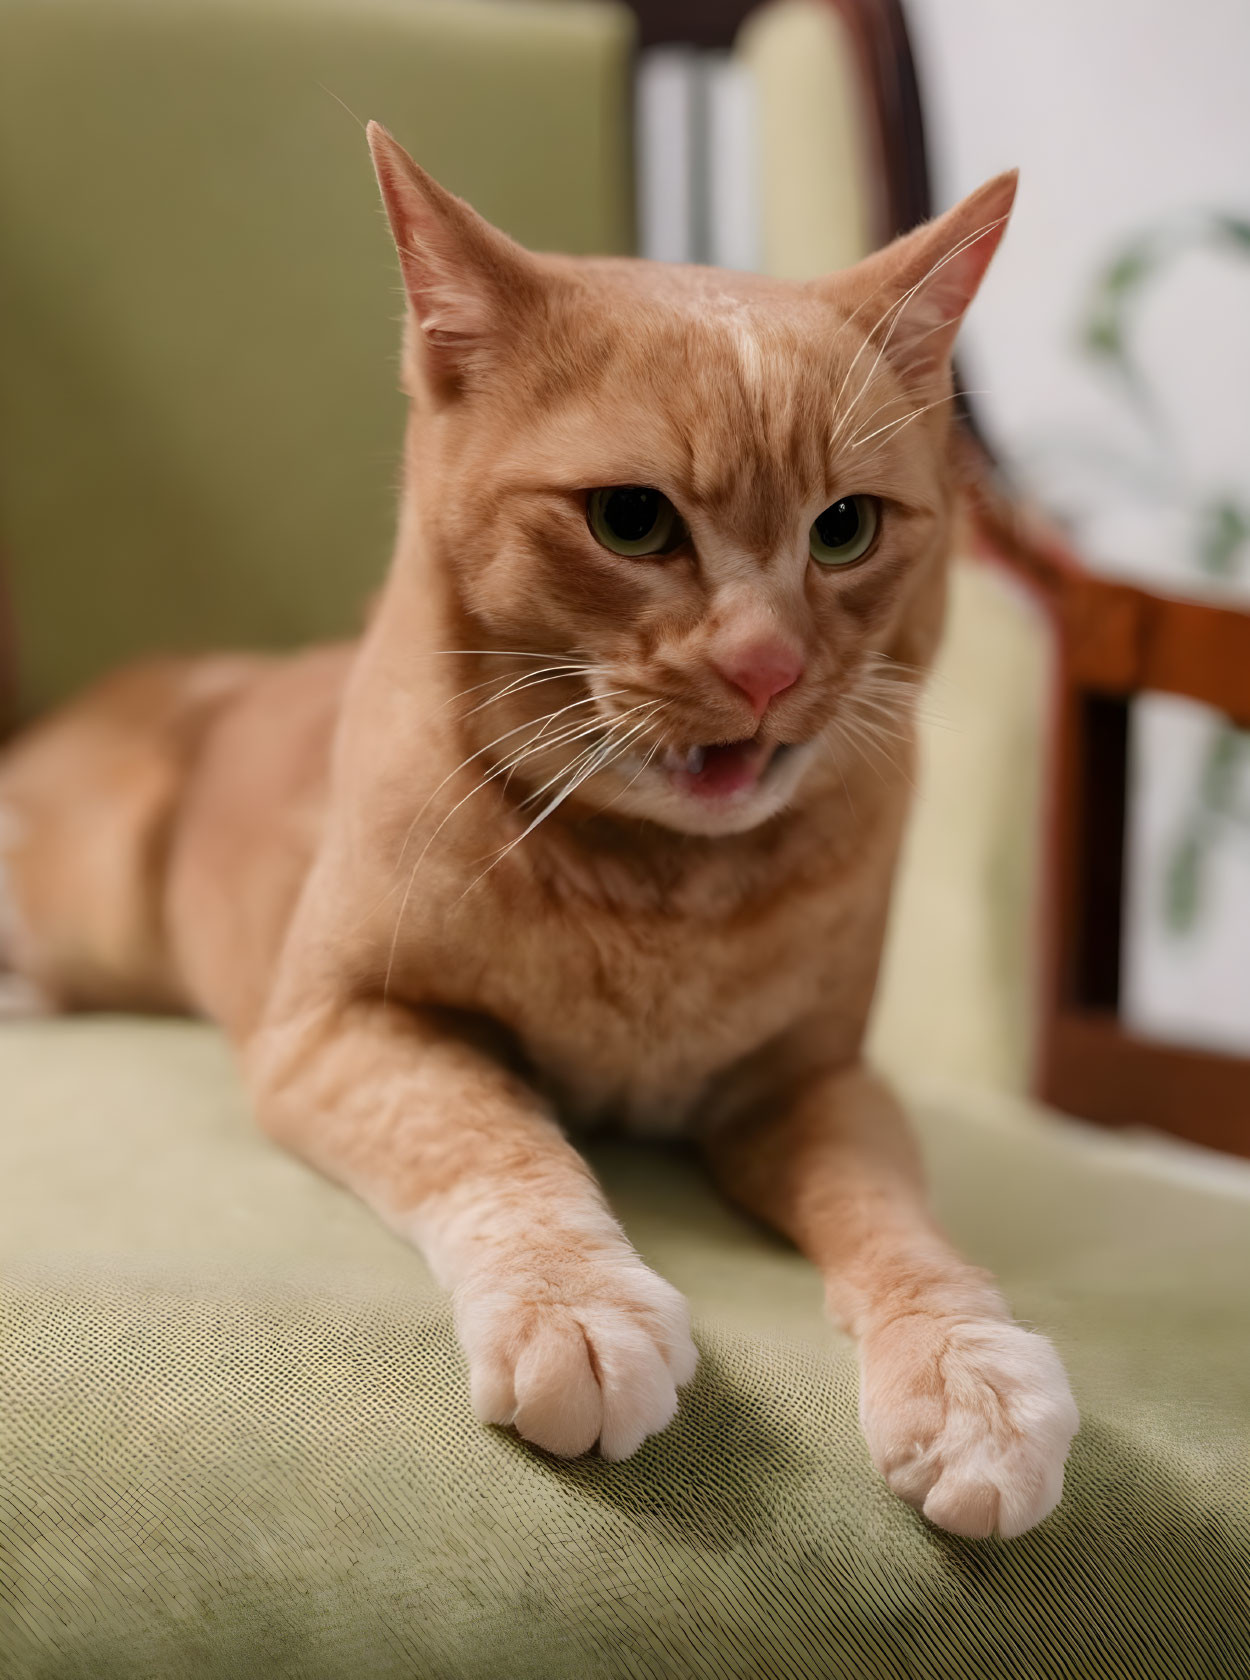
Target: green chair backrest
[[199, 419]]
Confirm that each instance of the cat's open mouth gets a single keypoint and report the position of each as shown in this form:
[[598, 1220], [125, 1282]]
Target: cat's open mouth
[[724, 769]]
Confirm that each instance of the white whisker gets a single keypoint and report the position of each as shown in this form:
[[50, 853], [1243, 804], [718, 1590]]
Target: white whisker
[[481, 653], [479, 752], [897, 309], [517, 685], [837, 764], [842, 725], [564, 770], [896, 425], [476, 788], [645, 765], [862, 730], [608, 751], [573, 732]]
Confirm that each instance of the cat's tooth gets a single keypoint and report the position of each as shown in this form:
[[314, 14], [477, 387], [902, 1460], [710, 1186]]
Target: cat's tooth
[[691, 762]]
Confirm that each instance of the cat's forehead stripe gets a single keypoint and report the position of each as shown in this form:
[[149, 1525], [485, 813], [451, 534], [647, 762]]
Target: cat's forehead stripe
[[749, 351]]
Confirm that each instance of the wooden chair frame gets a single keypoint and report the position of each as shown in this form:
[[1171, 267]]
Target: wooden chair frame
[[1113, 641]]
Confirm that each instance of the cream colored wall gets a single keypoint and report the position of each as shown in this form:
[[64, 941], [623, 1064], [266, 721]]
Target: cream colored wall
[[813, 211], [959, 984]]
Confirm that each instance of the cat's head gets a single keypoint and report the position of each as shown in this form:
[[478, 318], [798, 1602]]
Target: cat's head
[[707, 512]]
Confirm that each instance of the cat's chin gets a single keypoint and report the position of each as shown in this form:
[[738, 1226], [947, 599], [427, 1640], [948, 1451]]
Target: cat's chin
[[725, 789]]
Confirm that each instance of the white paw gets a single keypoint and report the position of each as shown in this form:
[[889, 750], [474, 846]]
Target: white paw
[[969, 1420], [577, 1352]]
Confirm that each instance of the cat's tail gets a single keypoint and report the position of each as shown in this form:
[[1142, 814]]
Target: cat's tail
[[89, 799]]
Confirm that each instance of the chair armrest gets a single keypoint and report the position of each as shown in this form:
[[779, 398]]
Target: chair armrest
[[1113, 640], [1119, 638]]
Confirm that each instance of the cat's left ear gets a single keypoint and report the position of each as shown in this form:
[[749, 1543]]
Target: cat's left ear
[[467, 283], [918, 289]]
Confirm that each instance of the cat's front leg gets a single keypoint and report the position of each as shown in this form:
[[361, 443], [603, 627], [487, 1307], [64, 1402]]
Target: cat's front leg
[[968, 1416], [569, 1336]]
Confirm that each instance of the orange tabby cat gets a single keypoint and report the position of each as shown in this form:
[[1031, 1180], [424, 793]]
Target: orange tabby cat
[[585, 826]]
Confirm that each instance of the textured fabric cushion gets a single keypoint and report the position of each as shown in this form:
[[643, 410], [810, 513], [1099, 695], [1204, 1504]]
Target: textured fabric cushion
[[814, 158], [235, 1439], [199, 302]]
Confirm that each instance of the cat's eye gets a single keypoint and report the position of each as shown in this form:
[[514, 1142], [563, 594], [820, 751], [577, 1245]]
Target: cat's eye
[[843, 533], [634, 520]]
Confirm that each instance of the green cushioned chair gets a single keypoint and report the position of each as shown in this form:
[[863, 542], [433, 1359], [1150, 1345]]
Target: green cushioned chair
[[234, 1431]]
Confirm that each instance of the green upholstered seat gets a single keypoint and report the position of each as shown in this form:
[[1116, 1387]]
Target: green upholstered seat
[[234, 1434], [237, 1442]]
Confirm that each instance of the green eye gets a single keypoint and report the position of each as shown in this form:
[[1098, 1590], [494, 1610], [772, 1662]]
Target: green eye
[[634, 520], [844, 531]]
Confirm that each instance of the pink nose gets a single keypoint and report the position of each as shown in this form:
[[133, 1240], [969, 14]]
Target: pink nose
[[761, 670]]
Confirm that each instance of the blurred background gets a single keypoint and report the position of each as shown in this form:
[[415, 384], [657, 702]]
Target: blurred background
[[1113, 343], [199, 427]]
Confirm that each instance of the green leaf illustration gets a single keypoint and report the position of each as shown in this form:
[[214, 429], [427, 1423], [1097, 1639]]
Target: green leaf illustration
[[1223, 534], [1183, 884]]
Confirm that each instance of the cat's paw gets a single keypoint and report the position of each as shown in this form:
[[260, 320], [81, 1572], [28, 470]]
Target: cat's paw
[[969, 1420], [571, 1355]]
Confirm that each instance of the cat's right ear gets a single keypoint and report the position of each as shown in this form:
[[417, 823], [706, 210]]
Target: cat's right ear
[[465, 280]]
